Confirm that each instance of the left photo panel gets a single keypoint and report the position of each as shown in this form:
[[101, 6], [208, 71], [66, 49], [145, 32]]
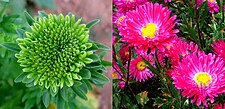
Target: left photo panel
[[55, 54]]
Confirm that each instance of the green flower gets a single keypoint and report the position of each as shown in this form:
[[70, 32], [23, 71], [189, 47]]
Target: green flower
[[54, 52]]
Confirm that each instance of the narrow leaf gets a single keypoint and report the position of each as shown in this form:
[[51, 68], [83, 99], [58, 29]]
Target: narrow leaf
[[21, 33], [100, 77], [29, 18], [94, 57], [42, 14], [20, 77], [85, 73], [46, 99], [92, 23], [79, 92], [11, 46], [101, 46]]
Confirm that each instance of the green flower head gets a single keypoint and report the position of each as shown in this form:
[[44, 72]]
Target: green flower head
[[54, 51]]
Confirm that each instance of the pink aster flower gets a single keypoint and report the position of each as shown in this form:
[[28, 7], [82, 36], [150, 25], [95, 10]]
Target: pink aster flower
[[181, 49], [139, 70], [219, 48], [199, 2], [219, 106], [118, 18], [167, 0], [149, 26], [213, 6], [200, 76], [121, 85], [124, 54], [124, 6]]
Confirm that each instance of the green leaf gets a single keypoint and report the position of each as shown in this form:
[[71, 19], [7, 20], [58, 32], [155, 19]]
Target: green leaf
[[42, 14], [46, 99], [94, 57], [106, 63], [20, 77], [76, 83], [63, 94], [101, 46], [21, 33], [11, 46], [84, 87], [85, 73], [29, 103], [92, 23], [102, 54], [79, 92], [99, 77], [88, 83], [29, 18], [27, 80], [100, 86], [60, 103]]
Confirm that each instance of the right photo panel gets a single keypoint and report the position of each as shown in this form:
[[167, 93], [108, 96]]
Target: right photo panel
[[168, 54]]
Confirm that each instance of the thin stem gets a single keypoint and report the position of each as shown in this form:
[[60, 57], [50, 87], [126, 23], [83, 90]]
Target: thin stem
[[198, 27], [222, 11]]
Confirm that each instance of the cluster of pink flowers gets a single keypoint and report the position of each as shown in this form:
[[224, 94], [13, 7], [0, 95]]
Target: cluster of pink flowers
[[148, 29]]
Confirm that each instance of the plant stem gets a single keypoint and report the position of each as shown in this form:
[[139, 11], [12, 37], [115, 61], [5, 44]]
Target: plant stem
[[201, 39]]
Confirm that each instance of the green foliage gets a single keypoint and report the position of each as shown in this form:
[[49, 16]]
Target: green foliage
[[18, 88]]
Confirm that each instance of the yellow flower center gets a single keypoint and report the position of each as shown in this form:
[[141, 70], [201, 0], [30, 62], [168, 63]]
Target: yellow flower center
[[114, 75], [149, 30], [141, 65], [120, 19], [169, 46], [202, 79], [211, 1], [126, 53], [129, 0]]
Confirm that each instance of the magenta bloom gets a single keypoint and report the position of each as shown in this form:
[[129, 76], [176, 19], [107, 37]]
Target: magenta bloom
[[139, 70], [219, 48], [124, 6], [149, 26], [118, 18], [219, 106], [124, 53], [213, 6], [121, 85], [200, 76], [167, 0], [181, 49]]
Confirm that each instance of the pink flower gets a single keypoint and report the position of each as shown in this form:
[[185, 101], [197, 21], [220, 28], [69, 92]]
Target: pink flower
[[124, 6], [200, 77], [149, 26], [219, 48], [121, 85], [124, 53], [167, 0], [181, 49], [139, 70], [219, 106], [118, 18], [213, 6]]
